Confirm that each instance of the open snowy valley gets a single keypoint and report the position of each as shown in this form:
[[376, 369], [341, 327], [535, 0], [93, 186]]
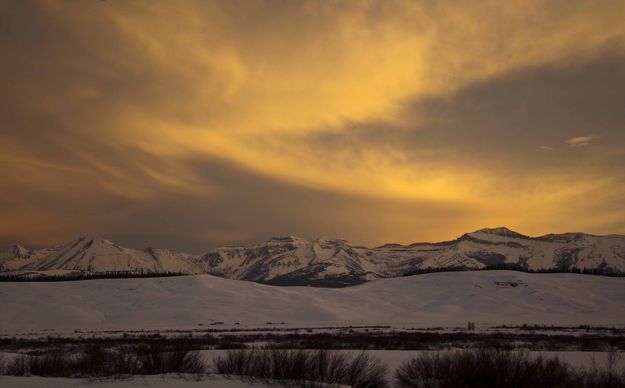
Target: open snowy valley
[[395, 320]]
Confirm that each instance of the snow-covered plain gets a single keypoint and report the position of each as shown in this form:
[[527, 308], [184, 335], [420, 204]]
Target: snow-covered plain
[[452, 298]]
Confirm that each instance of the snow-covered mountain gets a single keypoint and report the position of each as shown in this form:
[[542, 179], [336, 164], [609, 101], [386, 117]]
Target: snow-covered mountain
[[242, 262], [93, 255], [334, 262], [292, 261], [501, 246]]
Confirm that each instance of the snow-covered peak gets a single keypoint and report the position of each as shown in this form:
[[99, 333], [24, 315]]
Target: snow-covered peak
[[16, 251], [498, 233], [93, 240], [93, 245], [96, 254]]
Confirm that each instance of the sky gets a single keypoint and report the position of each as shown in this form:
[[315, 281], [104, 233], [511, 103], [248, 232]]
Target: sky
[[193, 124]]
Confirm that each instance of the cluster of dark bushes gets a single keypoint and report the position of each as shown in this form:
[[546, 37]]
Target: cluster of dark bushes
[[481, 368], [406, 340], [300, 367], [519, 268], [34, 277], [489, 368], [347, 339], [96, 361], [305, 367], [588, 328]]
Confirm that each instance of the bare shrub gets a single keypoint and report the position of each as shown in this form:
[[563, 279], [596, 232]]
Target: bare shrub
[[365, 371], [123, 363], [608, 376], [53, 364], [94, 361], [482, 368], [97, 361], [498, 369], [19, 366], [153, 359], [304, 366]]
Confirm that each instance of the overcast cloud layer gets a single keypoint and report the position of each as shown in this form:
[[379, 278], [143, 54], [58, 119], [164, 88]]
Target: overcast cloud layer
[[193, 124]]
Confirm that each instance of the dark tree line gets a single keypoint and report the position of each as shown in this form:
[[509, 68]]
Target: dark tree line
[[31, 277], [520, 268]]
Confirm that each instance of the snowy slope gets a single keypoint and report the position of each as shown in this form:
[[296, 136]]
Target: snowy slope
[[333, 262], [449, 298]]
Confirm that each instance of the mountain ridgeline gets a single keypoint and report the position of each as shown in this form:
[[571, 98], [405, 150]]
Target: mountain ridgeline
[[328, 262]]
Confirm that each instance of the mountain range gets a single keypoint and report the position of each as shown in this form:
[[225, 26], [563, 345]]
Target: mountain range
[[329, 262]]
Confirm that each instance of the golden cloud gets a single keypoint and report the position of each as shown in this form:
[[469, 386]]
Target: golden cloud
[[580, 141], [250, 81], [244, 73]]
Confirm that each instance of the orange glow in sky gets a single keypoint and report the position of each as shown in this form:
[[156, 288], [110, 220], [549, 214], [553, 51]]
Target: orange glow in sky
[[375, 121]]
